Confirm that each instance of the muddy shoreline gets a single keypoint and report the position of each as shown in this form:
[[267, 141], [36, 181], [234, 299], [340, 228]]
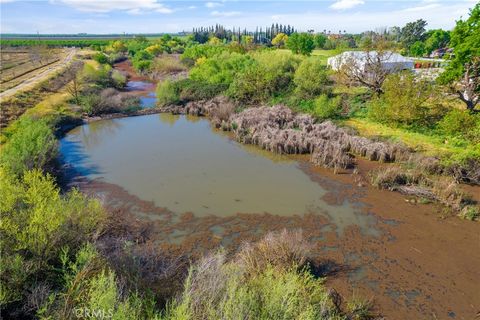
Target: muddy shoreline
[[420, 265]]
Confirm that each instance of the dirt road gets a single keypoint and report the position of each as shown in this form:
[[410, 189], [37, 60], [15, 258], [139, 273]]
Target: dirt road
[[40, 76]]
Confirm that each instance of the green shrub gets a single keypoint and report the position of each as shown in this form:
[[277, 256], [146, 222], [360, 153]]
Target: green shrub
[[191, 90], [37, 221], [327, 108], [461, 123], [96, 76], [278, 68], [251, 86], [32, 146], [218, 290], [90, 287], [406, 101], [167, 93], [193, 53], [311, 78], [142, 60], [470, 212], [119, 79], [90, 103], [100, 58], [301, 43], [220, 69]]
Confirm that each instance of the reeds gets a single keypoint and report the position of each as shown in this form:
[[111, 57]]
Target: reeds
[[280, 130], [281, 250]]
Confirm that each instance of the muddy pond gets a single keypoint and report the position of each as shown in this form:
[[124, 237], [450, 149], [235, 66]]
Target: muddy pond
[[182, 164], [201, 190]]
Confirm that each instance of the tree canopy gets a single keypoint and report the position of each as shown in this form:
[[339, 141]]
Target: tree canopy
[[301, 43], [413, 32], [463, 72]]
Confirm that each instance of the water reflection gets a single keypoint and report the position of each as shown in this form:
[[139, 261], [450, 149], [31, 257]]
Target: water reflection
[[94, 133], [181, 163], [168, 118]]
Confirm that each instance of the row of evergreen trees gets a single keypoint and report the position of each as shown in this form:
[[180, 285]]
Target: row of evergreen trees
[[260, 35]]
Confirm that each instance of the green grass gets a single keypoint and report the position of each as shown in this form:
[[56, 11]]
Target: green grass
[[325, 54], [429, 144]]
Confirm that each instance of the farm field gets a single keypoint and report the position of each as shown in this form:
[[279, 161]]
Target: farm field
[[18, 65]]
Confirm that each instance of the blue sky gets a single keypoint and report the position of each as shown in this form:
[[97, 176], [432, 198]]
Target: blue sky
[[152, 16]]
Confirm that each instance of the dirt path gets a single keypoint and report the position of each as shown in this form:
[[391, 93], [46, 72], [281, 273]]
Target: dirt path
[[40, 76]]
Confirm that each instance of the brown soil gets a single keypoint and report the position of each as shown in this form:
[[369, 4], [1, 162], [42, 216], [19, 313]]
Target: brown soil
[[126, 67]]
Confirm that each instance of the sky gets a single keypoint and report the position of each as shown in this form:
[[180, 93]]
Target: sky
[[155, 16]]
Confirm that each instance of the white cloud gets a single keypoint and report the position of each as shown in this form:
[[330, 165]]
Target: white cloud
[[213, 4], [192, 7], [422, 8], [346, 4], [130, 6], [134, 11], [225, 13]]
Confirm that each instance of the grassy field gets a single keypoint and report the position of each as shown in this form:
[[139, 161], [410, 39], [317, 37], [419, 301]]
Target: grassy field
[[325, 54]]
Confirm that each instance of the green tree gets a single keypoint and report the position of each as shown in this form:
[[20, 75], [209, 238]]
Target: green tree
[[463, 72], [215, 41], [280, 40], [404, 100], [417, 49], [311, 78], [320, 40], [301, 43], [436, 39], [413, 32]]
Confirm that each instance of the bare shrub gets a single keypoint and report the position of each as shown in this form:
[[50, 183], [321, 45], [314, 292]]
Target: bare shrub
[[447, 191], [331, 154], [394, 176], [205, 285], [282, 250], [221, 114], [137, 260], [280, 130], [166, 64], [415, 183], [107, 101], [36, 297], [468, 172]]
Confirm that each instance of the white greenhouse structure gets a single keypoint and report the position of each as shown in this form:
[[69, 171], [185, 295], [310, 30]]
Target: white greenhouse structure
[[390, 60]]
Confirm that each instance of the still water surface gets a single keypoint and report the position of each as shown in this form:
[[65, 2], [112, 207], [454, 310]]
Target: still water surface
[[181, 163]]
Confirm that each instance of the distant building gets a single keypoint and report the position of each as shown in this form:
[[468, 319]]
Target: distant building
[[439, 53], [390, 60]]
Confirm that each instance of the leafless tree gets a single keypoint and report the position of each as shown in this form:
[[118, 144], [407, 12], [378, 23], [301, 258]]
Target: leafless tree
[[468, 88], [75, 86], [368, 68]]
